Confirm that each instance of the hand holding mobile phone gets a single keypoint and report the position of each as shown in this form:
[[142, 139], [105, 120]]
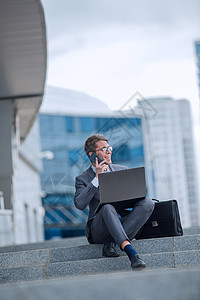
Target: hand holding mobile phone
[[100, 168], [93, 158]]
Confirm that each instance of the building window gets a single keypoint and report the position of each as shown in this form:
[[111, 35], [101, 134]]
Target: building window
[[137, 156], [60, 153], [70, 124], [137, 151], [45, 124], [87, 124], [57, 124], [101, 123], [108, 124], [62, 199], [73, 157], [121, 153]]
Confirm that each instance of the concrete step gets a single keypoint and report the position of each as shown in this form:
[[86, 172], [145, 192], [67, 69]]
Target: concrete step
[[65, 242], [87, 259], [82, 252], [162, 284], [191, 231], [97, 266], [184, 242], [80, 241]]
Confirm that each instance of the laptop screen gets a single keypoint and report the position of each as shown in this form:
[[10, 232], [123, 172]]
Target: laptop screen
[[122, 185]]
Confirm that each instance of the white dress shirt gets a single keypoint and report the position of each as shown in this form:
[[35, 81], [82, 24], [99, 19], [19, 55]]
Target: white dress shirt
[[95, 181]]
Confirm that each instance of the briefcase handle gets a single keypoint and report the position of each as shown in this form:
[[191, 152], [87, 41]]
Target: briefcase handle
[[156, 200]]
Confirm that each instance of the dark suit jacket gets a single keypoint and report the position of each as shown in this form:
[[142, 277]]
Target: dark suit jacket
[[87, 194]]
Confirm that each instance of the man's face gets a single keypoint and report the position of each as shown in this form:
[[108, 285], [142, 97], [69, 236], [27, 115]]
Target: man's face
[[106, 156]]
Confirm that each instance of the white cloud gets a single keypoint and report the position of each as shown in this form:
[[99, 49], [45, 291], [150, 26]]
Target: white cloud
[[111, 49]]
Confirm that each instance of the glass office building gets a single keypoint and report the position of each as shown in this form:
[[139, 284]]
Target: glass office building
[[64, 135]]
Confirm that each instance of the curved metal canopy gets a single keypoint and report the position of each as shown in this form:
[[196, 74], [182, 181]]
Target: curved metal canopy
[[23, 55]]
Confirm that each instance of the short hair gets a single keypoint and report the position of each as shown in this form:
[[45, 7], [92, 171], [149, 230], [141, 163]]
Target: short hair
[[90, 143]]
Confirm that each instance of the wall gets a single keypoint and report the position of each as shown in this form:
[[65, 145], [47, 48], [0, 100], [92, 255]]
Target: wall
[[27, 208]]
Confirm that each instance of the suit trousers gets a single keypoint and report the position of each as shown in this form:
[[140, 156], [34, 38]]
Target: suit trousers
[[106, 223]]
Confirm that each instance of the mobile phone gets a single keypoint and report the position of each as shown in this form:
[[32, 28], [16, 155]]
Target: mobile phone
[[93, 158]]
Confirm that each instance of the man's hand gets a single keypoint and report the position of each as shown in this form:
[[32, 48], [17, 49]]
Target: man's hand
[[100, 168]]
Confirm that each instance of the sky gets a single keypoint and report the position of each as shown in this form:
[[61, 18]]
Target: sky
[[112, 49]]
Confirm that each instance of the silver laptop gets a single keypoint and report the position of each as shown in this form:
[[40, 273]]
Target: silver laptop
[[122, 188]]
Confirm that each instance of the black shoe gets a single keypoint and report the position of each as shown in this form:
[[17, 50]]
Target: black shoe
[[137, 263], [109, 250]]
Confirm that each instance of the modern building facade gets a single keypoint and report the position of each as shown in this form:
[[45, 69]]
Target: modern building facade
[[170, 156], [28, 222], [23, 56], [66, 119]]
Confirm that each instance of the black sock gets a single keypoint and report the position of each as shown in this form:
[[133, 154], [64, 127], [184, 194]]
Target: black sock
[[130, 251]]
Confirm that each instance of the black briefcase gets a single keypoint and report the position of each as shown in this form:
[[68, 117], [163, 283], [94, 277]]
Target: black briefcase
[[163, 222]]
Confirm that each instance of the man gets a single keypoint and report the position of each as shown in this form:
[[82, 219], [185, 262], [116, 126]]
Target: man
[[108, 226]]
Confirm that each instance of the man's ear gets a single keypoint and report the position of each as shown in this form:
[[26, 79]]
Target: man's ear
[[90, 153]]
